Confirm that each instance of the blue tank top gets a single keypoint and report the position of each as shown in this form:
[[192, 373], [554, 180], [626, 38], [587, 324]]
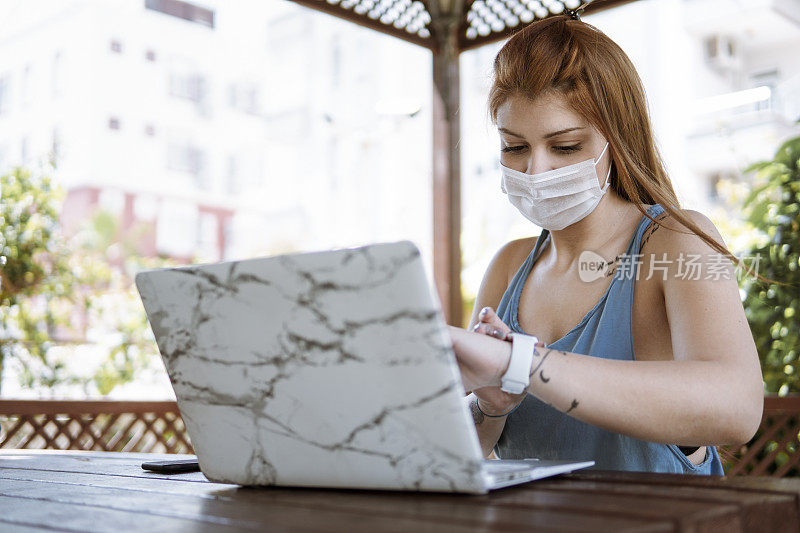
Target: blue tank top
[[537, 430]]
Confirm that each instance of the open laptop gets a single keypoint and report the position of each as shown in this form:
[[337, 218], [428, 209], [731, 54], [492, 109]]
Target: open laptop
[[322, 369]]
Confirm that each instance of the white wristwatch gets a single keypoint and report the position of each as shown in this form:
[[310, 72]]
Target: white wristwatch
[[517, 377]]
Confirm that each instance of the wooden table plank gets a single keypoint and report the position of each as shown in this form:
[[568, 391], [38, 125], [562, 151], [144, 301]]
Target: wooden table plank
[[770, 511], [65, 517], [163, 485], [113, 486], [8, 527], [368, 509], [753, 491], [103, 463]]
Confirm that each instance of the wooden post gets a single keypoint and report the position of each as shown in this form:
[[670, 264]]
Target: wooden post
[[446, 161]]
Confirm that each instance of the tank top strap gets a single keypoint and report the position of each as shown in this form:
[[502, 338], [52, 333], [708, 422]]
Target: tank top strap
[[631, 259], [635, 246]]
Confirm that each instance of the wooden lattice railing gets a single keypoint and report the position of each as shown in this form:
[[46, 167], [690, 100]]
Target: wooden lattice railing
[[158, 427], [774, 449], [93, 425]]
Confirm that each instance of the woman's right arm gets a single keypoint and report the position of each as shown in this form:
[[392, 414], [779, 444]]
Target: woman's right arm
[[493, 401]]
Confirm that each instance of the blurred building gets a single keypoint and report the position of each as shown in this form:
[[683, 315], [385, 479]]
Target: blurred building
[[223, 129], [745, 87], [219, 129]]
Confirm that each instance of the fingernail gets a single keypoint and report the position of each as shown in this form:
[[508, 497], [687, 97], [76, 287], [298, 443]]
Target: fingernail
[[483, 312]]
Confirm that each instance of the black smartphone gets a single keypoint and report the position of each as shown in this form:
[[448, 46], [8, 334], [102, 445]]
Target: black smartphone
[[172, 467]]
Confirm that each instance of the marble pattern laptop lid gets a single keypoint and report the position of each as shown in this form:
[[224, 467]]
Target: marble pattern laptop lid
[[329, 369]]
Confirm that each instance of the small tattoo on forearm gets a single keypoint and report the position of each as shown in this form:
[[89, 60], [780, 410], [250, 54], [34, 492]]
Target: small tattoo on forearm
[[539, 364], [542, 354], [573, 406], [538, 368]]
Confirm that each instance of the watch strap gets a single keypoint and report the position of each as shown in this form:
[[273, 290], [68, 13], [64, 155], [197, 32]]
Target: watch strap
[[517, 377]]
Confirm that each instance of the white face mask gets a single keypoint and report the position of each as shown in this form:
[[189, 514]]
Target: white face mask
[[557, 198]]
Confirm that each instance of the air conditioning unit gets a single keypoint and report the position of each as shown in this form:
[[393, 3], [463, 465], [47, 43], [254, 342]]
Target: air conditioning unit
[[722, 53]]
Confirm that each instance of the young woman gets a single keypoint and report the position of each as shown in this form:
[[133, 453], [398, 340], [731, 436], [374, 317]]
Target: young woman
[[645, 360]]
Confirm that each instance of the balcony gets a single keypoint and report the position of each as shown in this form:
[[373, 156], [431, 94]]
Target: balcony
[[730, 131]]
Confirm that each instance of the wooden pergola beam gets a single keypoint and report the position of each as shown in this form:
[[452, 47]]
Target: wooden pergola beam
[[447, 162]]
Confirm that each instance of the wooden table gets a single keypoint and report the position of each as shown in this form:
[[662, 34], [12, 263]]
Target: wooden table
[[99, 491]]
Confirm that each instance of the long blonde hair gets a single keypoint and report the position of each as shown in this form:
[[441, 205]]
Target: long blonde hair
[[599, 81]]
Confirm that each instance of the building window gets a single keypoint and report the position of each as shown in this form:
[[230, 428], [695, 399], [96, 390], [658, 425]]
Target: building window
[[188, 86], [4, 94], [55, 152], [208, 237], [111, 201], [150, 55], [176, 228], [23, 150], [185, 158], [145, 207], [116, 47], [26, 86], [769, 78], [233, 185], [113, 123], [182, 10], [202, 180], [244, 96], [336, 62], [57, 76], [245, 173]]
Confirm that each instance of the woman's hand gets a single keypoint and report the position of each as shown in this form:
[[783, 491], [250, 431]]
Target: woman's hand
[[482, 361], [494, 400], [490, 324]]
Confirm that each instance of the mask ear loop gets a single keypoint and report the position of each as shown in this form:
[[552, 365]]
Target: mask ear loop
[[603, 190], [601, 154], [607, 182]]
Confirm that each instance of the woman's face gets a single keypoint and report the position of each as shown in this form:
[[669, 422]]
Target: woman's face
[[545, 134]]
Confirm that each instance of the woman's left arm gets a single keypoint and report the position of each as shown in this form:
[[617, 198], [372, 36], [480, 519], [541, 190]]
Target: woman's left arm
[[710, 394]]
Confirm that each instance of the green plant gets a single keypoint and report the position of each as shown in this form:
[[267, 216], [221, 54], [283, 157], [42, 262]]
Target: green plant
[[773, 310], [35, 273], [57, 296]]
